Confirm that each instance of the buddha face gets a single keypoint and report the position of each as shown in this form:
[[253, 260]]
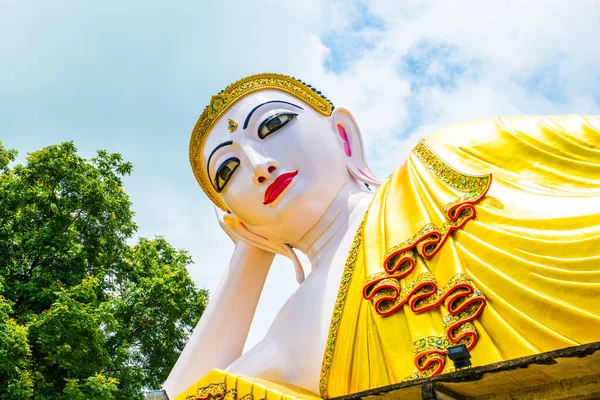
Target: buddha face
[[276, 163]]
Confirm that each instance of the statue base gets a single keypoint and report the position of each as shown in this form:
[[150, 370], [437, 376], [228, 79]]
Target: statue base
[[569, 373]]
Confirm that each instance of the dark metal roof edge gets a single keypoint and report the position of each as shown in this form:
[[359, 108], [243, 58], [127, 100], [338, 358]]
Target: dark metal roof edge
[[476, 373]]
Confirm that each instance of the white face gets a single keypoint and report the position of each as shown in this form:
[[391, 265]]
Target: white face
[[288, 164]]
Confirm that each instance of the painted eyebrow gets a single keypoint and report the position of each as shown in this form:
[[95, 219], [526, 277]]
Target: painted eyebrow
[[266, 102], [228, 143]]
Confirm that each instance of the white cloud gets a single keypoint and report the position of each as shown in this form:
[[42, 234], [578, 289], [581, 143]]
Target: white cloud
[[497, 50]]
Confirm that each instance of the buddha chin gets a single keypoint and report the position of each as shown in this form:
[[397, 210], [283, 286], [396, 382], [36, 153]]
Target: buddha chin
[[297, 209]]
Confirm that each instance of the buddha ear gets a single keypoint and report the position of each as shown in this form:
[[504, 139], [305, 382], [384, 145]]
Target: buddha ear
[[238, 231], [350, 138]]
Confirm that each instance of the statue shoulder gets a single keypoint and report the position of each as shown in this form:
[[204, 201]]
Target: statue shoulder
[[502, 128], [467, 143]]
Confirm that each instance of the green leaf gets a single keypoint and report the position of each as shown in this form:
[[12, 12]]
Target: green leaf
[[84, 315]]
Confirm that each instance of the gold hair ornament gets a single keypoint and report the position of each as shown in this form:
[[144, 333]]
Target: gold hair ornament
[[231, 125], [220, 103]]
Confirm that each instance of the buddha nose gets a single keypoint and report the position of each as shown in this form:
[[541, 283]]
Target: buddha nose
[[262, 166]]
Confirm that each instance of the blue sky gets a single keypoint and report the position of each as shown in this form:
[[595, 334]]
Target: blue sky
[[132, 77]]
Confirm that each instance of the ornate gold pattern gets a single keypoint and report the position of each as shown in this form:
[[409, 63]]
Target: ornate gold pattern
[[423, 233], [401, 263], [431, 371], [475, 185], [220, 103], [215, 391], [431, 363], [339, 308], [461, 298], [463, 301], [387, 296], [231, 395], [430, 352], [431, 343], [429, 239], [231, 125]]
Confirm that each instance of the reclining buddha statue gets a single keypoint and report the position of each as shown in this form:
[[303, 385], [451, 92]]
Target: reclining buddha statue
[[488, 235]]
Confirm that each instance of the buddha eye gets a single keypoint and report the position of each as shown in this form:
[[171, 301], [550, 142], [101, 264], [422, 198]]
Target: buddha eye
[[274, 123], [224, 173]]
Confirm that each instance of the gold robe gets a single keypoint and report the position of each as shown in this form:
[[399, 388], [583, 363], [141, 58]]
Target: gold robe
[[489, 235]]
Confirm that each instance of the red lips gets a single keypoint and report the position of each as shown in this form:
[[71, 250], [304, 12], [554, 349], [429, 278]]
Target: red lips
[[278, 186]]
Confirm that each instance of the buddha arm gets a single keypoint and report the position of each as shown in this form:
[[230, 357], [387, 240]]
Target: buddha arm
[[221, 333]]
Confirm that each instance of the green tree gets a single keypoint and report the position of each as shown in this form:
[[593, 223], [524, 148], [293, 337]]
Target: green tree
[[84, 315]]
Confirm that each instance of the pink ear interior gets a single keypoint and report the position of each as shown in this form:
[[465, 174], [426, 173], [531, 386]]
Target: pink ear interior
[[344, 136]]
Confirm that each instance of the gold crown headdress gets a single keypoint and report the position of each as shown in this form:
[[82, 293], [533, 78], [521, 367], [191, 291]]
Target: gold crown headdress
[[220, 103]]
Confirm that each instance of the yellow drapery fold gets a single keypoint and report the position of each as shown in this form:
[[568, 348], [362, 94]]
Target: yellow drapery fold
[[488, 235]]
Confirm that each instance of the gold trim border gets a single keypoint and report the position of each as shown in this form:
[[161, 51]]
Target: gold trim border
[[475, 185], [338, 309]]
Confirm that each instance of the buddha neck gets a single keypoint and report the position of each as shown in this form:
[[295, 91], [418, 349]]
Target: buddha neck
[[334, 219]]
